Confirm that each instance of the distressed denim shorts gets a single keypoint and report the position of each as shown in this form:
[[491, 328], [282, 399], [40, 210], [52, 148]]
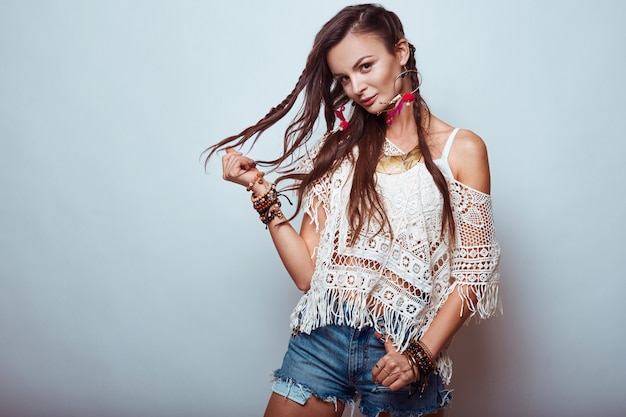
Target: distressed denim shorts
[[335, 363]]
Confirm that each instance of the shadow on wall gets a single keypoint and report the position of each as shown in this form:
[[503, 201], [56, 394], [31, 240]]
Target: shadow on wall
[[489, 356], [482, 366]]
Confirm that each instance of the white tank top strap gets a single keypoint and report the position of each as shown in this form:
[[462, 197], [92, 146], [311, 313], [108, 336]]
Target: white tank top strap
[[442, 162]]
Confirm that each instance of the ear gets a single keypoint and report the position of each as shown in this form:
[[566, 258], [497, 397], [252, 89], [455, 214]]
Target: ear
[[403, 52]]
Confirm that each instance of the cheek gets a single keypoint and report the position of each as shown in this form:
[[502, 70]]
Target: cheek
[[390, 81], [345, 87], [348, 91]]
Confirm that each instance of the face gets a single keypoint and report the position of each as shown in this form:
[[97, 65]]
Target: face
[[367, 71]]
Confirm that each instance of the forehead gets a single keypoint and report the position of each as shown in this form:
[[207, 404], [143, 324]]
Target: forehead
[[353, 47]]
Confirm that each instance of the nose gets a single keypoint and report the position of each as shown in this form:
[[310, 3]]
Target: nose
[[357, 85]]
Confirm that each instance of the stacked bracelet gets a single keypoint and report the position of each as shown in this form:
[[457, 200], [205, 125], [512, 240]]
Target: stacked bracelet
[[268, 205], [412, 364], [263, 202], [274, 212], [420, 357]]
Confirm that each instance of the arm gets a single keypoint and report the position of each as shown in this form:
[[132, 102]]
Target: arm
[[470, 166], [474, 283], [296, 250]]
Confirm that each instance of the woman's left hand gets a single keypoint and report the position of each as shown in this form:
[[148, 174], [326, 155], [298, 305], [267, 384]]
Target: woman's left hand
[[393, 369]]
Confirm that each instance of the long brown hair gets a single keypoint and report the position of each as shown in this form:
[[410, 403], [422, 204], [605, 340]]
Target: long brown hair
[[366, 132]]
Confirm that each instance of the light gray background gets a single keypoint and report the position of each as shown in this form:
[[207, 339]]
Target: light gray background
[[132, 284]]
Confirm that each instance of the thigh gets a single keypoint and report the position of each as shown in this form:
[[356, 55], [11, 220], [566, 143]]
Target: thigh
[[317, 364], [279, 406]]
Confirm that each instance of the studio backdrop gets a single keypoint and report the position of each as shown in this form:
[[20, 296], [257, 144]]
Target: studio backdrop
[[133, 282]]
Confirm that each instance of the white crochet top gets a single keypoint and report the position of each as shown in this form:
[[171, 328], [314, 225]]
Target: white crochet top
[[399, 286]]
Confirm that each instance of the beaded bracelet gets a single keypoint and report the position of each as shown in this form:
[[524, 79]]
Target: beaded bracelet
[[268, 205], [258, 177], [419, 355], [264, 215], [268, 194], [423, 356], [273, 213], [428, 354]]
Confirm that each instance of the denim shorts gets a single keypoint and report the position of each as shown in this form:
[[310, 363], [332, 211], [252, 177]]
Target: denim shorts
[[335, 363]]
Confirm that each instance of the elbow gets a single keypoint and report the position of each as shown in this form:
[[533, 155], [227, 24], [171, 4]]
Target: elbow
[[302, 279], [303, 282]]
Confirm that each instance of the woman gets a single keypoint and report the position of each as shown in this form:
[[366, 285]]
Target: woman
[[396, 249]]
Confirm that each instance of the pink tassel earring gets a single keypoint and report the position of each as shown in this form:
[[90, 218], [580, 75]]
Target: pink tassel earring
[[406, 99], [343, 124]]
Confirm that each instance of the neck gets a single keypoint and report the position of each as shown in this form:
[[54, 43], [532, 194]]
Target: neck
[[403, 130]]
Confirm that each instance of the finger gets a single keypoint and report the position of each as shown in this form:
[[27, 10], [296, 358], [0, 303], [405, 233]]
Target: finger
[[236, 164], [383, 374], [389, 347], [248, 163], [233, 171], [227, 161], [395, 380], [232, 156], [389, 380], [376, 371], [238, 158], [381, 337], [397, 384], [231, 167], [232, 151]]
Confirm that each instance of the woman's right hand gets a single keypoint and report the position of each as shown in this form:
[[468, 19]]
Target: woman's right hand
[[238, 168]]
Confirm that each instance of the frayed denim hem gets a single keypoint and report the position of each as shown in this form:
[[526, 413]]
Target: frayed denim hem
[[444, 395], [300, 393]]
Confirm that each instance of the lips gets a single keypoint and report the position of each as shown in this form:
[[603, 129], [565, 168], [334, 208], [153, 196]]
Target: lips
[[368, 101]]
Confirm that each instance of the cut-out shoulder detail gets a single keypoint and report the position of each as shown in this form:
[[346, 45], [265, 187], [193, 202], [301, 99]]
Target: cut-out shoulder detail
[[442, 163], [469, 161]]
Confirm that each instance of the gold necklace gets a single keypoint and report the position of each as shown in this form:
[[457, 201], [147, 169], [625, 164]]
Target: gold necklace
[[395, 161]]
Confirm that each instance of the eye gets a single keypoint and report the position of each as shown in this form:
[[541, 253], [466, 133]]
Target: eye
[[343, 79], [366, 66]]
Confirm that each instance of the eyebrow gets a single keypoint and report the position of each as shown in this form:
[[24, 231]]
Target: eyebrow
[[356, 64]]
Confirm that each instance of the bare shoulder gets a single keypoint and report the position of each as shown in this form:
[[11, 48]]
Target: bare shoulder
[[469, 161], [469, 143]]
